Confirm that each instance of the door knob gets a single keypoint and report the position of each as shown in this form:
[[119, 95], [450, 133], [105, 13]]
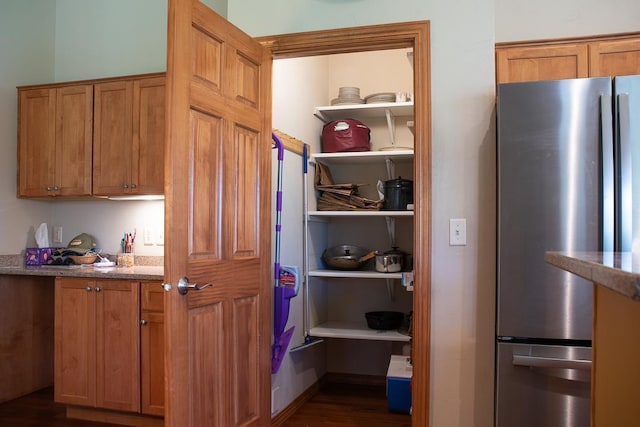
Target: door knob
[[184, 286]]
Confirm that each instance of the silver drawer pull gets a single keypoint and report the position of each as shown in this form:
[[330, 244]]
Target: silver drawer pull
[[551, 362]]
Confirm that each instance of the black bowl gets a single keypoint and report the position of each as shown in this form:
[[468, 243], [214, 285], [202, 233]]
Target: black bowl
[[384, 320]]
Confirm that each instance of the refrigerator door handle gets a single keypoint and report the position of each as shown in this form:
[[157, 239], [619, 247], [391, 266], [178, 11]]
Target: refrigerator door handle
[[608, 192], [551, 362], [624, 234]]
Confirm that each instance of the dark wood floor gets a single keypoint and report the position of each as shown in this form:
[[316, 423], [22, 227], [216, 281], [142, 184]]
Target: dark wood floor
[[39, 410], [338, 404], [334, 405]]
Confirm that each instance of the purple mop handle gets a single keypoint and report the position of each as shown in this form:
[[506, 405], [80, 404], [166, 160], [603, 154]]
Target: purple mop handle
[[280, 147]]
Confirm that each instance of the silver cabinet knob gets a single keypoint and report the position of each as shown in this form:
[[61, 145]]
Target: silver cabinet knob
[[56, 188], [125, 186], [88, 289], [98, 289], [143, 322], [133, 185]]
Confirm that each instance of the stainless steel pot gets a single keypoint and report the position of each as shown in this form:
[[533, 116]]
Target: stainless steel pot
[[390, 261], [346, 257]]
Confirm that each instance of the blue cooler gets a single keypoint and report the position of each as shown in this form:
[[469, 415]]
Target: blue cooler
[[399, 384]]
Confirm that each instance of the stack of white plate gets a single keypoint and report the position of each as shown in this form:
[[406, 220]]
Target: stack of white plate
[[380, 97], [348, 95]]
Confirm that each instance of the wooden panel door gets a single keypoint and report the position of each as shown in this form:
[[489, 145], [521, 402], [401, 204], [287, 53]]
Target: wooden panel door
[[533, 63], [112, 138], [74, 342], [217, 214], [152, 348], [36, 142], [147, 161], [117, 334], [74, 140], [614, 57]]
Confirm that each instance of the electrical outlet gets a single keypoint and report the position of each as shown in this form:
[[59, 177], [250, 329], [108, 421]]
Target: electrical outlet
[[274, 399], [57, 234], [148, 236], [160, 240], [457, 232]]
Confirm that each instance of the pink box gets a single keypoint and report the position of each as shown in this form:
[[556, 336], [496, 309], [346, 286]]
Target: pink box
[[39, 256]]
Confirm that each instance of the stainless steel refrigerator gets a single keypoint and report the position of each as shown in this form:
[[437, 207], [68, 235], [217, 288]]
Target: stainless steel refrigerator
[[564, 157]]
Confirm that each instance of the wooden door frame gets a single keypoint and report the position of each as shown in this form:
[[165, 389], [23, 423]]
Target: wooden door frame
[[383, 37]]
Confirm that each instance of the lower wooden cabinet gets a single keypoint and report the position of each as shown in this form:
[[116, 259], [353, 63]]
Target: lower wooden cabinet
[[152, 348], [105, 356]]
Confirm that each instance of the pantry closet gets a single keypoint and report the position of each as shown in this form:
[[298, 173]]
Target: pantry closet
[[331, 336]]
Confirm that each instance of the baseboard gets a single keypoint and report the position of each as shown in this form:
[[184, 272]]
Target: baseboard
[[291, 409], [111, 417]]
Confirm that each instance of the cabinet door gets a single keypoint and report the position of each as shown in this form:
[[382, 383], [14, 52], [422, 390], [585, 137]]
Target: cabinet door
[[36, 140], [533, 63], [74, 342], [73, 148], [112, 138], [148, 136], [614, 58], [117, 345], [152, 348]]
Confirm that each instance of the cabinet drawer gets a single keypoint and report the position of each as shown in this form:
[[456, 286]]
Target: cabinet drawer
[[152, 296]]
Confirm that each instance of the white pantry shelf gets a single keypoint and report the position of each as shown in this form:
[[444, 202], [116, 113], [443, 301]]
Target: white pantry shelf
[[363, 111], [359, 274], [364, 157], [361, 213], [357, 331]]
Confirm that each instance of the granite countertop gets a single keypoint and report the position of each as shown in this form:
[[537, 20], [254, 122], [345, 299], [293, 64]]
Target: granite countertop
[[618, 271], [151, 269]]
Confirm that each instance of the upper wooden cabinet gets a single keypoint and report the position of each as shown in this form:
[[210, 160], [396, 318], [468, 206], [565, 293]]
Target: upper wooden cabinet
[[566, 59], [54, 141], [97, 137], [128, 140], [614, 57], [522, 64]]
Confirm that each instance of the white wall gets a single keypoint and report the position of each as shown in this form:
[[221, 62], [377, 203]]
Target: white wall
[[298, 86], [548, 19], [27, 58]]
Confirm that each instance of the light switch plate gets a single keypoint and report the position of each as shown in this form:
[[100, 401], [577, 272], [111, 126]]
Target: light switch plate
[[148, 236], [457, 232]]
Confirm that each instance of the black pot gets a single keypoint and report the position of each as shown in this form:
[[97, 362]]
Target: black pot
[[384, 320], [398, 193]]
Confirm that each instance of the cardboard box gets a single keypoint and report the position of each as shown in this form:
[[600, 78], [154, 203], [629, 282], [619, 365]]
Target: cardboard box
[[399, 384], [39, 256]]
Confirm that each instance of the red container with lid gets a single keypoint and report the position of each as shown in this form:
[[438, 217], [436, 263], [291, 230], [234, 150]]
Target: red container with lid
[[345, 135]]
